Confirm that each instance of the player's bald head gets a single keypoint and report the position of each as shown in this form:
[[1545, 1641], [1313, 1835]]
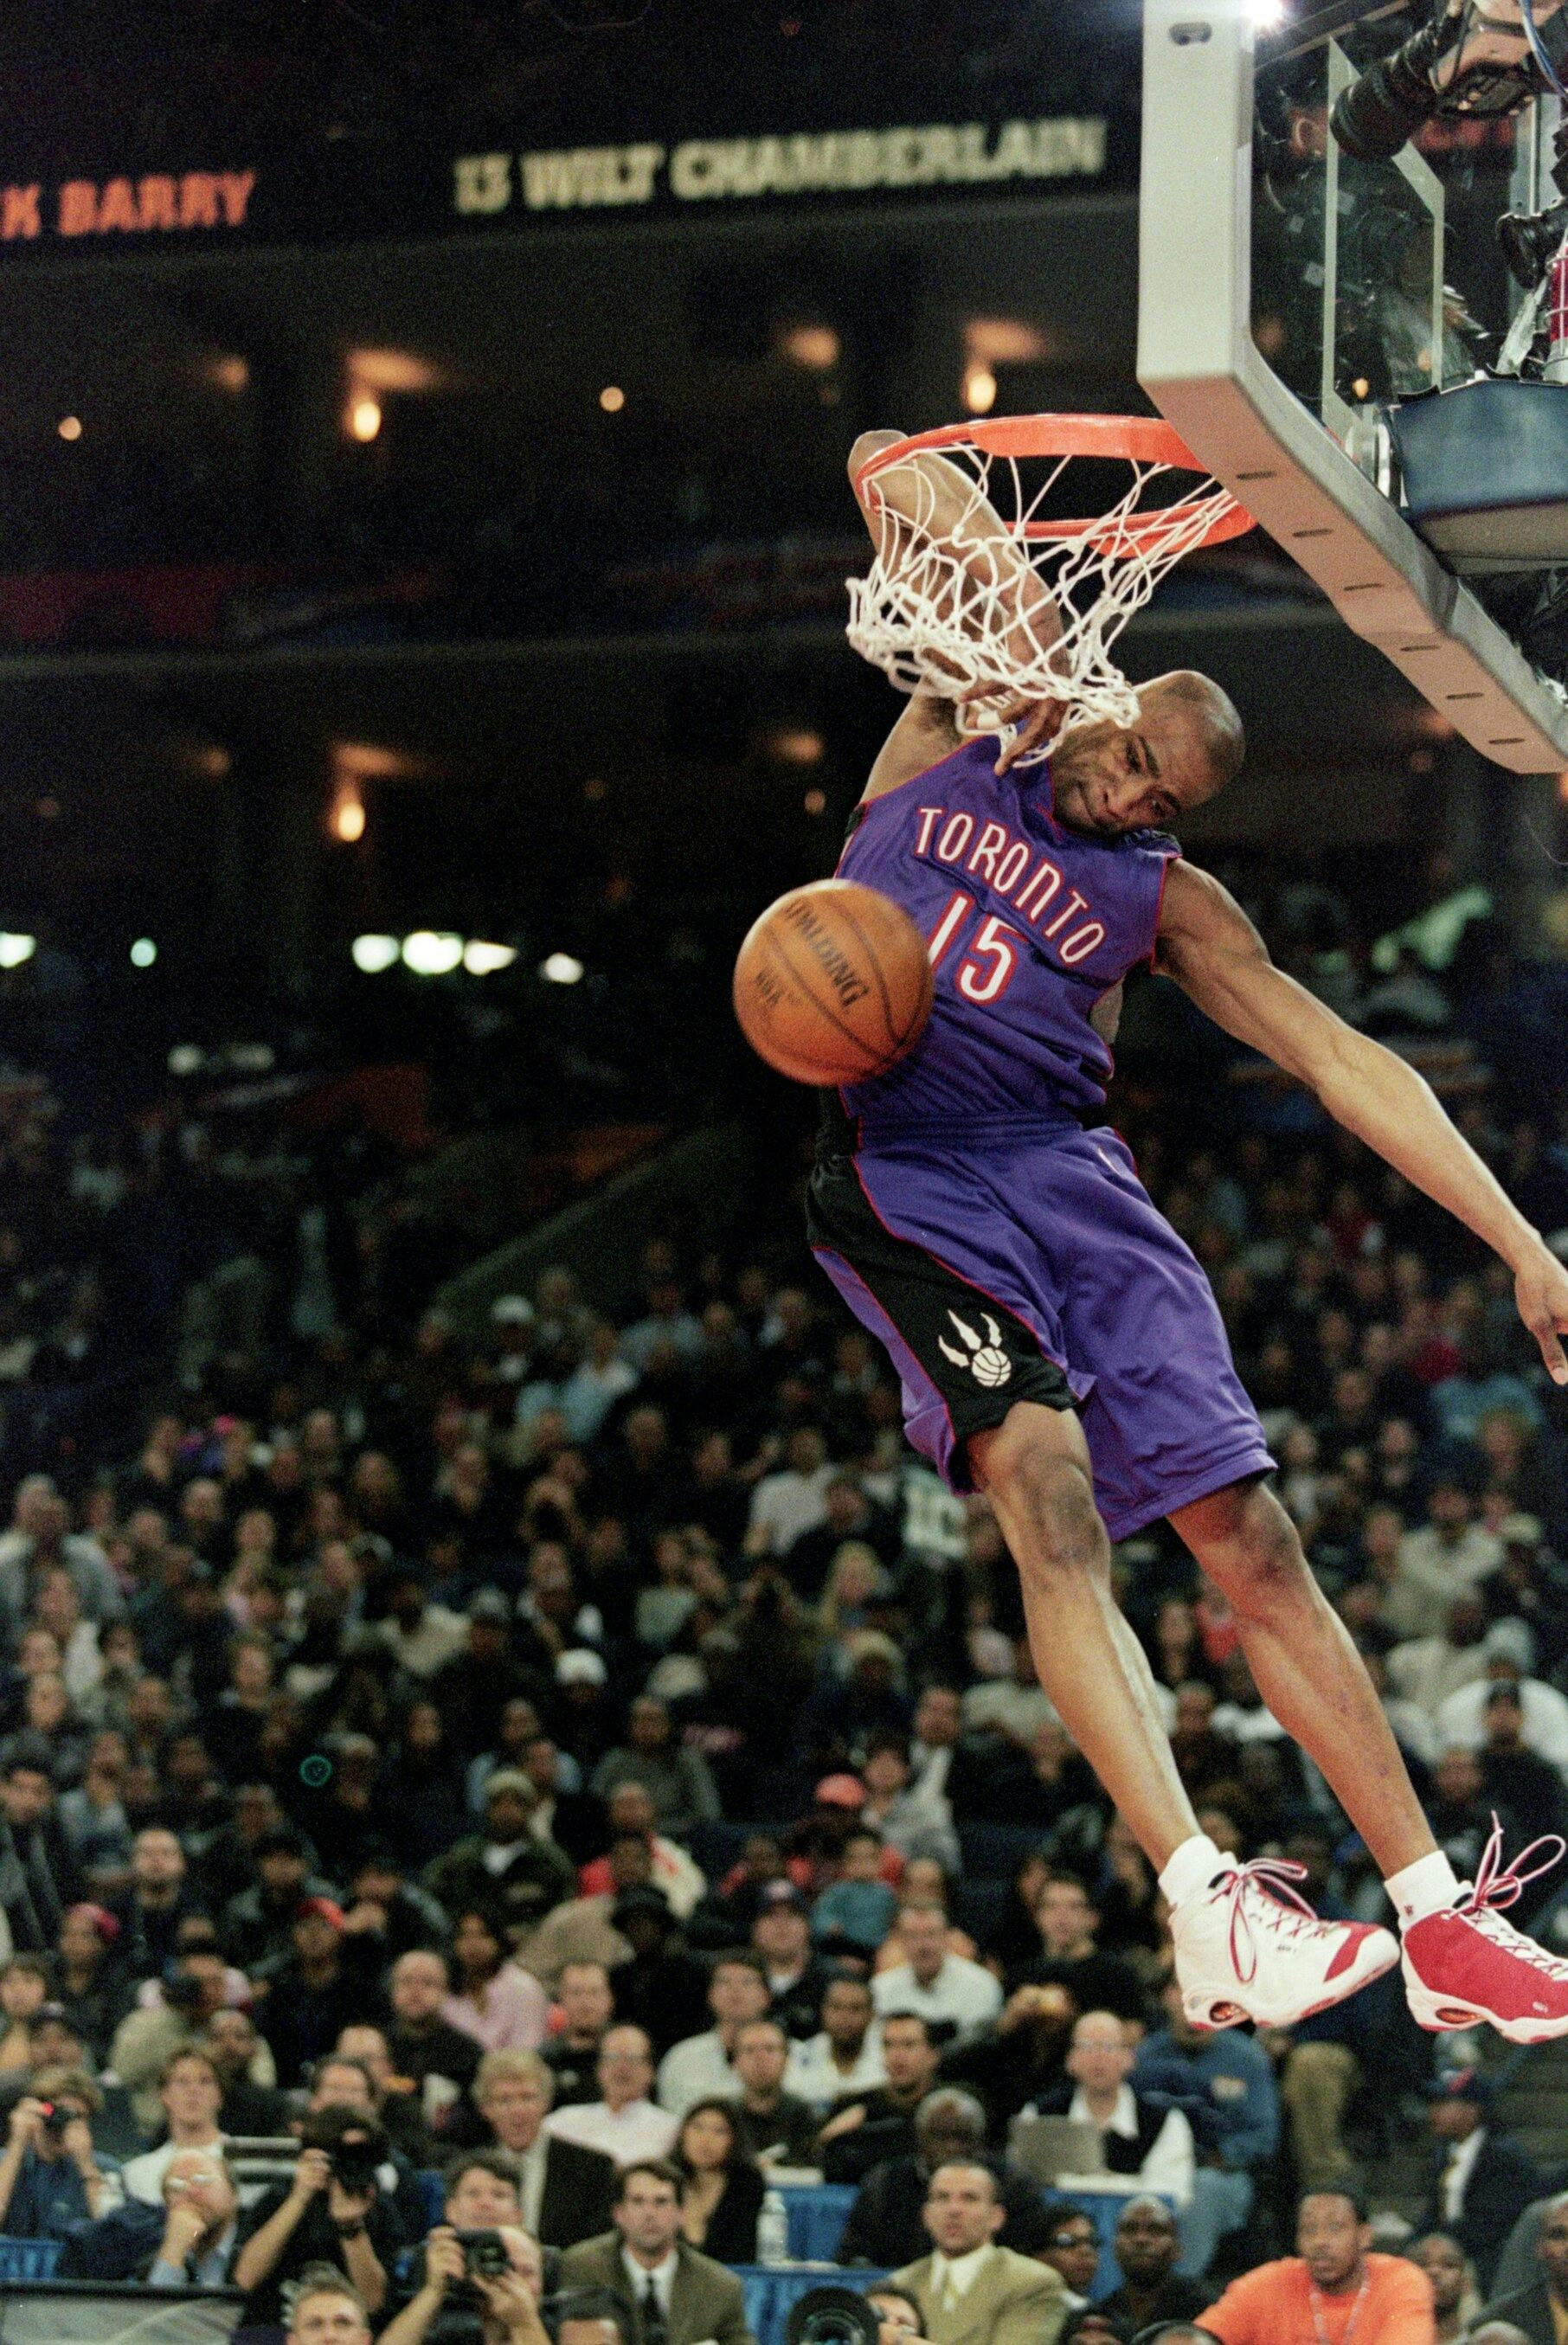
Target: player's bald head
[[1196, 706]]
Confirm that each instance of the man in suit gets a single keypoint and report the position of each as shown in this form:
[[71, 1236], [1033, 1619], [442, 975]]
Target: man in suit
[[675, 2296], [887, 2221], [1484, 2178], [1541, 2309], [971, 2291], [566, 2193]]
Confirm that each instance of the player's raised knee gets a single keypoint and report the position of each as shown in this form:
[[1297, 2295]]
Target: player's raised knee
[[1028, 1475]]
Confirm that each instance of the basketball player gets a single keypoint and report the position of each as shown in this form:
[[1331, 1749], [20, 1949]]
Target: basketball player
[[1059, 1346]]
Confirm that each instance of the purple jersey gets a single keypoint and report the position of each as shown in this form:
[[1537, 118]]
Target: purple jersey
[[1029, 924]]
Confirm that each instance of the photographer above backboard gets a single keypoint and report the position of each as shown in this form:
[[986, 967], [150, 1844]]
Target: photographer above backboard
[[1467, 59]]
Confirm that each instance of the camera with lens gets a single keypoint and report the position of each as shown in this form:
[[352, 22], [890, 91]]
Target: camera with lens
[[54, 2119], [355, 2144], [355, 2165], [1458, 62], [484, 2255], [832, 2316]]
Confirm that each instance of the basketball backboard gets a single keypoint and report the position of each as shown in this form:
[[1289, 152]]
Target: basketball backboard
[[1285, 291]]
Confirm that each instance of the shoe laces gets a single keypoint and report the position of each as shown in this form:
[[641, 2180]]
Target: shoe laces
[[1497, 1886], [1286, 1912]]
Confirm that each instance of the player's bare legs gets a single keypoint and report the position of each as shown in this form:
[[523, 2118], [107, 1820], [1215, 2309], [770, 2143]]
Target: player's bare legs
[[1462, 1961], [1241, 1950], [1035, 1468], [1306, 1667]]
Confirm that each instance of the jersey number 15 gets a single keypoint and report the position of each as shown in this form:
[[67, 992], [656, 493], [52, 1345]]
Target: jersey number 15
[[991, 959]]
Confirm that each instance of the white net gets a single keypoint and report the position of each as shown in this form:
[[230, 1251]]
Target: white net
[[979, 591]]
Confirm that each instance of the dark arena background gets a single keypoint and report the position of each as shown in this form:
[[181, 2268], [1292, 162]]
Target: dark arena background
[[467, 1600]]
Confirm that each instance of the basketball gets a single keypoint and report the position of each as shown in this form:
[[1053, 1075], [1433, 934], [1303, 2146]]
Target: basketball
[[833, 984]]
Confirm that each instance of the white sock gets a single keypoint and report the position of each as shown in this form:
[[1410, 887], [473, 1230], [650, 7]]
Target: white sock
[[1423, 1888], [1193, 1866]]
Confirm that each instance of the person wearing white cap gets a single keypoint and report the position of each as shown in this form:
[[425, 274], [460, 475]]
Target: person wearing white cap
[[512, 1316], [1509, 1649], [580, 1667]]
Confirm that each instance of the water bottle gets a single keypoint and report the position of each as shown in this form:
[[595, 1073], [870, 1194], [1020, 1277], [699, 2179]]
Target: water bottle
[[773, 2230]]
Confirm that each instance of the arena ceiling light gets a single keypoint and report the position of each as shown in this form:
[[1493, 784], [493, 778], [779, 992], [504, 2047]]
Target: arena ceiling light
[[1266, 13], [978, 388], [1004, 342], [561, 969], [797, 745], [15, 949], [347, 819], [372, 954], [394, 370], [431, 953], [481, 960], [811, 344], [143, 953]]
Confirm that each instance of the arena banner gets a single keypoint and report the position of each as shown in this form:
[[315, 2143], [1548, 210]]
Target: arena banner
[[311, 197], [148, 203], [773, 167]]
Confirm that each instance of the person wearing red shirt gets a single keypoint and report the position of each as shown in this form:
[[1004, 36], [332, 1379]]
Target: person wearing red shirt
[[1333, 2291]]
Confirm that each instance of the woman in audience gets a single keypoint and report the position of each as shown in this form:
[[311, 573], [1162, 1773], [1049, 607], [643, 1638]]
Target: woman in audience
[[90, 1983], [1456, 2299], [23, 1991], [421, 1806], [724, 2186], [500, 2006]]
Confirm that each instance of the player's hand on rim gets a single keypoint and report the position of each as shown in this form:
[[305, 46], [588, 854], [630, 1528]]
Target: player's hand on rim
[[1540, 1292]]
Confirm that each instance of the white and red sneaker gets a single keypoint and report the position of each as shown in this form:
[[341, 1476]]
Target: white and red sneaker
[[1465, 1964], [1249, 1947]]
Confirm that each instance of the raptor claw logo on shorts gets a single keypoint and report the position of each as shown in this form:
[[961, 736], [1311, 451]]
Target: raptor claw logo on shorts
[[987, 1361]]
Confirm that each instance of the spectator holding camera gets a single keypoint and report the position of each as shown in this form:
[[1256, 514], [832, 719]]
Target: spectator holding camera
[[50, 2175], [341, 2082], [332, 2212], [479, 2275]]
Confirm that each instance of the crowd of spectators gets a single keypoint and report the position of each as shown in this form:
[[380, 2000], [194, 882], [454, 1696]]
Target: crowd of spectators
[[590, 1758]]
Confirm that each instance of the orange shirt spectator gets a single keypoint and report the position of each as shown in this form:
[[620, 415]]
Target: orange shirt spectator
[[1334, 2292], [1276, 2305]]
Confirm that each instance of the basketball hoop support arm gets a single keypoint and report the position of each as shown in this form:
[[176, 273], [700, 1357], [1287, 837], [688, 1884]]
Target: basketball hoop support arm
[[1198, 364]]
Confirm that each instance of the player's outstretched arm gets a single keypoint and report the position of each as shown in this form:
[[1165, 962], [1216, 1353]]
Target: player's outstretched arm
[[926, 499], [1211, 949]]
